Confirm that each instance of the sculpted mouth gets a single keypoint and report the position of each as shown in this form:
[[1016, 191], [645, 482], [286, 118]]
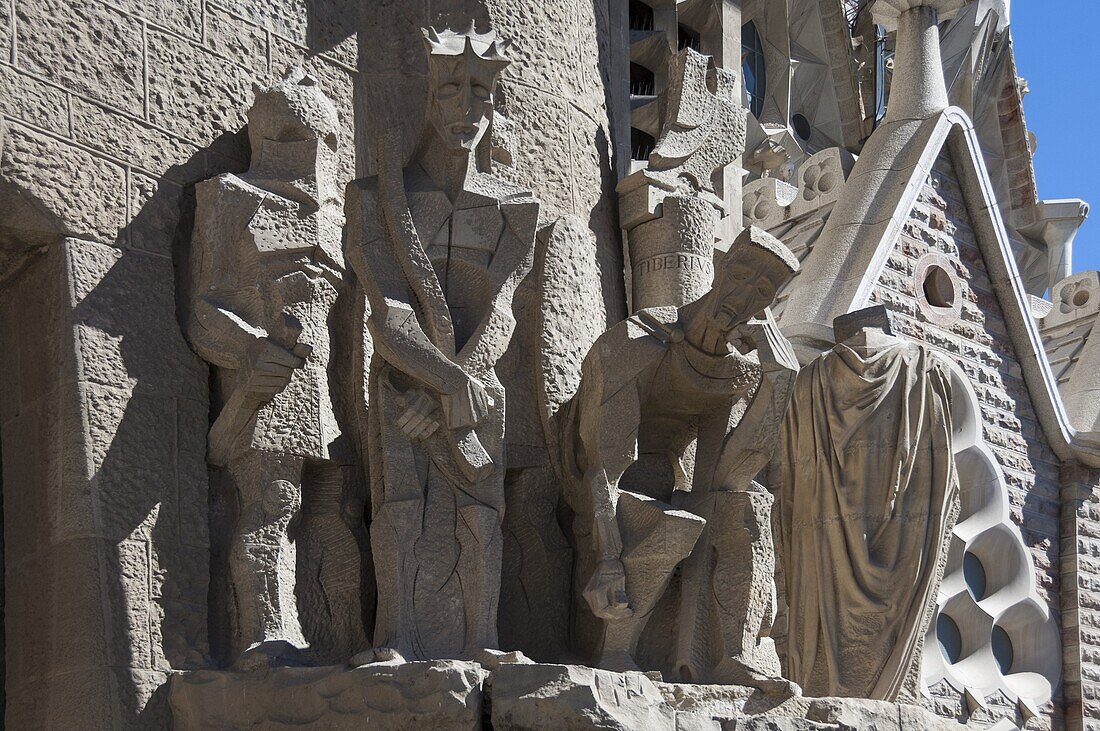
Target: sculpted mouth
[[462, 129]]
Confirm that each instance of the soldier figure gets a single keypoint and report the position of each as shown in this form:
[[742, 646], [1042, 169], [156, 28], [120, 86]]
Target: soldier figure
[[268, 268]]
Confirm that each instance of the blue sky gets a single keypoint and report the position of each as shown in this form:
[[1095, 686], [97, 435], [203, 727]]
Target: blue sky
[[1057, 46]]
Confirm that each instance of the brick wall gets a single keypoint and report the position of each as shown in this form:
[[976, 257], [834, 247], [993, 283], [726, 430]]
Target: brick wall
[[979, 342]]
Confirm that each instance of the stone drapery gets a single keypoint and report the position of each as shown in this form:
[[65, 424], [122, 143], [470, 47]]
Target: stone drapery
[[868, 493]]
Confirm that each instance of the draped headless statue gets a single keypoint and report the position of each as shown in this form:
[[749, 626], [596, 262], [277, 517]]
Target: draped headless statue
[[440, 248], [869, 496]]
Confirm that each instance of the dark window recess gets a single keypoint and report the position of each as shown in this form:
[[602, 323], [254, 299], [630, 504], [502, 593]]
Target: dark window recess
[[641, 16], [689, 39], [880, 74], [801, 126], [752, 68], [642, 82], [641, 144]]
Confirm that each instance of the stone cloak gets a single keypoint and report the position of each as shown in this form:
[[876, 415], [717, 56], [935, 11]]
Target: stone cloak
[[869, 491]]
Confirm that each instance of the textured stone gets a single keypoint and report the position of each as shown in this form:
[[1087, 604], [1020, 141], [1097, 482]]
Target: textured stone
[[195, 95], [123, 138], [571, 697], [27, 99], [84, 194], [85, 46], [442, 694]]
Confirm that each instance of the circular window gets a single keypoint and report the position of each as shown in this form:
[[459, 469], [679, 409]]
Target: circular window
[[974, 573], [1002, 650], [949, 637], [801, 126], [939, 289]]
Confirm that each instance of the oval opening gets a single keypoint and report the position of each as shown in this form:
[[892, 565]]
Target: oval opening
[[939, 289]]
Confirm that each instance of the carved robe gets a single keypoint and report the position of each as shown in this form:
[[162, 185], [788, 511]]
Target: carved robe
[[868, 495], [437, 502]]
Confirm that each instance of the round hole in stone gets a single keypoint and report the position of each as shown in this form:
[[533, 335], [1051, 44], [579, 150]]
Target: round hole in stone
[[949, 637], [1081, 298], [939, 289], [974, 573], [1002, 650]]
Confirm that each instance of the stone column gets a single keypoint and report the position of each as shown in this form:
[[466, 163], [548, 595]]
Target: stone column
[[832, 282]]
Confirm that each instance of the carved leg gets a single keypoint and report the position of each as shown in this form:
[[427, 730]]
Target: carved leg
[[262, 559], [744, 582], [330, 566], [656, 539], [397, 519], [482, 540]]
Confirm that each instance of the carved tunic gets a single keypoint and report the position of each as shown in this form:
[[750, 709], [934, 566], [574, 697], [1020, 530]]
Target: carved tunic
[[267, 269]]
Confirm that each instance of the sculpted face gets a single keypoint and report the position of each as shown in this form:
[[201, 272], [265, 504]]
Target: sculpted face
[[744, 292], [462, 103]]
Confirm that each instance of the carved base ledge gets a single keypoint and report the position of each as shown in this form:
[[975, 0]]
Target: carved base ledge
[[449, 694]]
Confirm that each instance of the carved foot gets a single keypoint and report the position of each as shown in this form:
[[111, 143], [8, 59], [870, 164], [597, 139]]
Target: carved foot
[[377, 656], [492, 659], [775, 688], [268, 654]]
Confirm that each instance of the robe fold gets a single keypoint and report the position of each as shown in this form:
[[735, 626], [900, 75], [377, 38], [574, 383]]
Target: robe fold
[[868, 498]]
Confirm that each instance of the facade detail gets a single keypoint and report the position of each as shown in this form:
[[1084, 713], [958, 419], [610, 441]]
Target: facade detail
[[475, 364]]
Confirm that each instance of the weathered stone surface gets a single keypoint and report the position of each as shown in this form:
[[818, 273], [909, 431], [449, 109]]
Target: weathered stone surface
[[29, 100], [183, 81], [441, 694], [86, 46], [84, 194], [572, 698]]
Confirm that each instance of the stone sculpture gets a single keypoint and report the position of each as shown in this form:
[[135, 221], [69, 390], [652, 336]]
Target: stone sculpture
[[671, 209], [267, 272], [653, 383], [869, 495], [440, 248]]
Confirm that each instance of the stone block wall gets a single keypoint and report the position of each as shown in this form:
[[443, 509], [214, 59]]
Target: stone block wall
[[979, 342], [1081, 597], [110, 112]]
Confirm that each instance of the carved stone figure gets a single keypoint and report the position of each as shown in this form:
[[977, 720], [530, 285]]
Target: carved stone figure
[[268, 269], [653, 383], [672, 208], [440, 248], [869, 496]]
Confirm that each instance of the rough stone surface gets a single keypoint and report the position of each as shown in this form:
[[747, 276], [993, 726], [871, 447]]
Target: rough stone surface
[[119, 530], [441, 694]]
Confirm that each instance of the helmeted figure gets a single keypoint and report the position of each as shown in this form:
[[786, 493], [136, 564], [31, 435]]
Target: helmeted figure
[[267, 271], [440, 247]]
